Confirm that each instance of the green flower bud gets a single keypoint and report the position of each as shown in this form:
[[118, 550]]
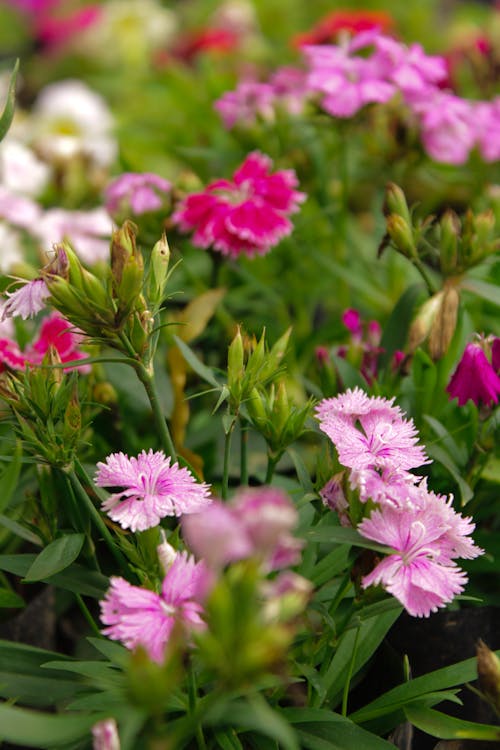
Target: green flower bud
[[395, 203], [450, 233], [235, 367], [401, 235], [158, 272]]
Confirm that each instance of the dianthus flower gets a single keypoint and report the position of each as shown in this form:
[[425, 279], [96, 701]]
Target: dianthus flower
[[420, 573], [347, 80], [138, 617], [249, 101], [256, 523], [247, 215], [447, 125], [152, 489], [136, 193], [474, 378], [26, 301], [486, 117], [370, 433]]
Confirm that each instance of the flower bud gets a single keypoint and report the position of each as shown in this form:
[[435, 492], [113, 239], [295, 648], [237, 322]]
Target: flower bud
[[158, 272], [235, 367], [166, 553], [488, 672], [127, 269], [275, 356], [395, 203], [401, 235], [105, 735], [444, 323], [450, 233], [421, 326]]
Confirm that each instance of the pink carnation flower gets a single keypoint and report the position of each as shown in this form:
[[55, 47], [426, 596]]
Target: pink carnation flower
[[57, 332], [347, 80], [249, 101], [474, 378], [138, 617], [152, 489], [486, 116], [420, 573], [370, 433], [447, 125], [246, 215], [27, 300], [256, 523], [136, 193]]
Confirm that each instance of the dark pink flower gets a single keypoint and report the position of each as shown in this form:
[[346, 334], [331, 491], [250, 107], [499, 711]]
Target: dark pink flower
[[152, 488], [136, 193], [474, 378], [138, 617], [55, 331], [247, 215]]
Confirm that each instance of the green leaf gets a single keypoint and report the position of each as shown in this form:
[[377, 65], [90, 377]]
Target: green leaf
[[205, 373], [301, 469], [446, 727], [371, 633], [56, 557], [440, 679], [350, 376], [10, 476], [396, 329], [19, 530], [75, 578], [344, 535], [489, 292], [34, 729], [228, 740], [10, 599], [255, 715], [439, 454], [115, 652], [8, 112], [321, 729]]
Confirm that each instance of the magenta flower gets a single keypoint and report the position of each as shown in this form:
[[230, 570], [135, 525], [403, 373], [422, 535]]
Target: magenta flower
[[474, 378], [11, 356], [138, 617], [27, 300], [256, 523], [136, 193], [447, 125], [370, 433], [347, 80], [152, 489], [420, 573], [247, 215], [57, 332]]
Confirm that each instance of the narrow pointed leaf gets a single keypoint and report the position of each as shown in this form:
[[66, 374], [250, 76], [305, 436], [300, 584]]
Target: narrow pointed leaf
[[56, 557]]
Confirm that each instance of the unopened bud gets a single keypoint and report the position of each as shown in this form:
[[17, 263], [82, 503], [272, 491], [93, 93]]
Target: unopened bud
[[421, 326], [275, 356], [166, 553], [158, 272], [488, 672], [401, 235], [235, 362], [72, 416], [445, 322], [105, 735], [450, 233], [395, 203]]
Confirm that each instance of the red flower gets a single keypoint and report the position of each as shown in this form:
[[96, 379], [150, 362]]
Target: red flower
[[353, 21]]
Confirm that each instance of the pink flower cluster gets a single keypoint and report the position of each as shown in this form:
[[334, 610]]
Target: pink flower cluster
[[476, 378], [139, 617], [380, 448], [248, 214], [257, 523], [55, 332], [136, 193], [373, 67], [152, 488]]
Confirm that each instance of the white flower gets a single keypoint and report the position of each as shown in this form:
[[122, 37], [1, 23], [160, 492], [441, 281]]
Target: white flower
[[20, 169], [12, 251], [70, 119]]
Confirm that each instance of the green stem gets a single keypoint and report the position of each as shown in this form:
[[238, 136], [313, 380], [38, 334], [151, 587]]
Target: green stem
[[227, 456], [243, 453], [147, 379], [97, 520], [271, 466], [86, 613], [347, 685], [193, 692], [422, 271]]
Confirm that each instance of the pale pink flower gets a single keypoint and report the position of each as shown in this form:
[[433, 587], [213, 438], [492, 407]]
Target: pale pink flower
[[26, 301], [246, 215], [486, 117], [420, 573], [256, 523], [447, 125], [18, 209], [21, 171], [105, 735], [370, 432], [474, 378], [136, 193], [248, 102], [290, 89], [138, 617], [88, 231], [347, 80], [152, 489]]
